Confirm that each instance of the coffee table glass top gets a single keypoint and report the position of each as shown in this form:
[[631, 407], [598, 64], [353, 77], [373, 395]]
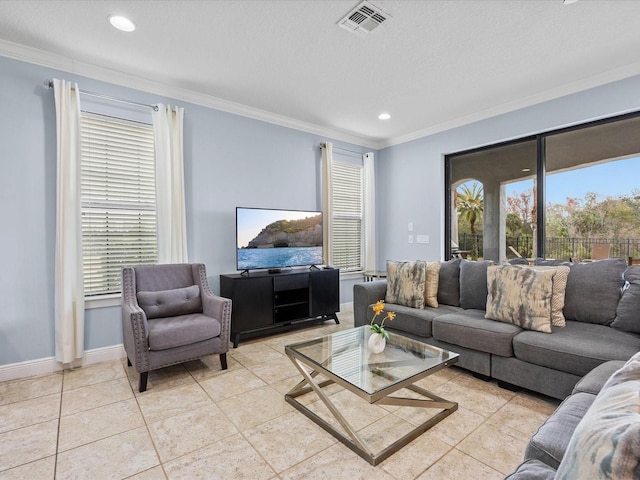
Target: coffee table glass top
[[346, 356]]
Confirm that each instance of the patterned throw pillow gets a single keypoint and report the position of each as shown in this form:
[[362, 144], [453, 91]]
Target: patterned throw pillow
[[406, 283], [559, 288], [521, 296], [431, 289], [606, 442]]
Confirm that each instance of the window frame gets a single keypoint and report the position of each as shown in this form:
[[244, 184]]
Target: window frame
[[540, 139]]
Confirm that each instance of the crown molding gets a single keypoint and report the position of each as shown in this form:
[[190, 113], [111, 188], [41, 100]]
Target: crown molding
[[60, 62], [66, 64], [545, 96]]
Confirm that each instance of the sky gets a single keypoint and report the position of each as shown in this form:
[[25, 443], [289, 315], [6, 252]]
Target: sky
[[612, 179]]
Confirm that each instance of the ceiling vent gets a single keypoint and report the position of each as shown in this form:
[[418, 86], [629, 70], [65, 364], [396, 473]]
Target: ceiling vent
[[364, 19]]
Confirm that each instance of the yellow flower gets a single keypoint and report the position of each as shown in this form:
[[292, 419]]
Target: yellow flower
[[378, 307]]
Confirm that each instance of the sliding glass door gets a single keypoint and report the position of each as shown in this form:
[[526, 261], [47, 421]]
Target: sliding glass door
[[567, 194]]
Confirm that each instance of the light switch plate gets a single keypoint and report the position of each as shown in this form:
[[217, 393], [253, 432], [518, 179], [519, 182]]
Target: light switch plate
[[410, 238]]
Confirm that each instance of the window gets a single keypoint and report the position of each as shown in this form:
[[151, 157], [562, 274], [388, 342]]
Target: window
[[346, 231], [118, 199], [561, 194]]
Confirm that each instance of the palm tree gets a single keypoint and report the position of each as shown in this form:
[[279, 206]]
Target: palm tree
[[470, 207]]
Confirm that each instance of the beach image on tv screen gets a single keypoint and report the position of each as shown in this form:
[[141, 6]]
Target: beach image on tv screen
[[278, 238]]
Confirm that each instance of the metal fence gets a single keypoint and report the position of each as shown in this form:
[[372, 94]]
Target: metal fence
[[575, 248]]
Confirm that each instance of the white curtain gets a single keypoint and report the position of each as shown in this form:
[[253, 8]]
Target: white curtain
[[369, 194], [69, 287], [170, 203], [327, 202]]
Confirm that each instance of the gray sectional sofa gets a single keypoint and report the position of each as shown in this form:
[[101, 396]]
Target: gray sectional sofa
[[594, 433], [602, 324]]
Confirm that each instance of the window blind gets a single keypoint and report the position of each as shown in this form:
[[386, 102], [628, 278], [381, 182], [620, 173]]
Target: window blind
[[118, 199], [346, 228]]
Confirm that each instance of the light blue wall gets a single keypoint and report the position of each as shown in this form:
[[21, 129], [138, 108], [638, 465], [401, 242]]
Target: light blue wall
[[229, 161], [410, 176]]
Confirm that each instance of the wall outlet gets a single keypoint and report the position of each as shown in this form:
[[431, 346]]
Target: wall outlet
[[410, 226], [422, 238], [410, 238]]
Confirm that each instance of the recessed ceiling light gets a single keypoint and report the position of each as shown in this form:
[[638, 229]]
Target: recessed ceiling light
[[569, 2], [526, 169], [384, 116], [122, 23]]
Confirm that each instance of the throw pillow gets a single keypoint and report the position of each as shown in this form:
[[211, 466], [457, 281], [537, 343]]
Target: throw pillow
[[473, 284], [559, 288], [593, 291], [606, 442], [449, 283], [406, 283], [431, 287], [169, 303], [627, 316], [521, 296]]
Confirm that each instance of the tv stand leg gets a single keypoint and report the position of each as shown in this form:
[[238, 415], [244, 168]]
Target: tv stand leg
[[236, 340]]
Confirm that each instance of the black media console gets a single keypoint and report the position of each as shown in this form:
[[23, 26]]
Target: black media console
[[265, 302]]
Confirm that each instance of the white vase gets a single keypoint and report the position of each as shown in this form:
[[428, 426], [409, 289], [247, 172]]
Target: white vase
[[376, 343]]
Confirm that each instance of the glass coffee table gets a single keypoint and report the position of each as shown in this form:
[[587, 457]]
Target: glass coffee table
[[343, 358]]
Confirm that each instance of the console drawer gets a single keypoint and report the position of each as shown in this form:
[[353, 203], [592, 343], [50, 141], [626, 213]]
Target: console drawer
[[291, 282]]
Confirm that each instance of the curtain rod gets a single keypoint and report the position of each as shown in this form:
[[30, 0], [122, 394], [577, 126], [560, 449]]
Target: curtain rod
[[49, 84], [343, 149]]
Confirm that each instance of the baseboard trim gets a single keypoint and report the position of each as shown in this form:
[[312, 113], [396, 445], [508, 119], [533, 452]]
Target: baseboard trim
[[44, 366]]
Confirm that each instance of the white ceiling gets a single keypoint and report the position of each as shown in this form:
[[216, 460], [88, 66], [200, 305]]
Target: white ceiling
[[433, 65]]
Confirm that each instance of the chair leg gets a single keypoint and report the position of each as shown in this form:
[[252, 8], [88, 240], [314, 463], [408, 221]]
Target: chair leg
[[142, 386], [223, 361]]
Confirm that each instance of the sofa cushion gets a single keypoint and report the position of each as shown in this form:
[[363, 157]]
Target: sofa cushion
[[449, 283], [431, 284], [533, 469], [169, 303], [551, 439], [593, 291], [414, 320], [577, 348], [593, 381], [606, 442], [628, 310], [406, 283], [470, 329], [473, 284], [520, 295], [182, 330]]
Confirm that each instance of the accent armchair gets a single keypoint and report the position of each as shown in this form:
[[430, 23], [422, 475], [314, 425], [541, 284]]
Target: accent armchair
[[170, 316]]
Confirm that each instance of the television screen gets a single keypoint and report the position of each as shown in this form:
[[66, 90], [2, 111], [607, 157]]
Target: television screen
[[269, 238]]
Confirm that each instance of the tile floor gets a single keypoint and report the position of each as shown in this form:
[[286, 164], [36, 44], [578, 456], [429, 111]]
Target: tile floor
[[196, 421]]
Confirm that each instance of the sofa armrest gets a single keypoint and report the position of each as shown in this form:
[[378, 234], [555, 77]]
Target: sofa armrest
[[220, 309], [364, 294], [135, 335]]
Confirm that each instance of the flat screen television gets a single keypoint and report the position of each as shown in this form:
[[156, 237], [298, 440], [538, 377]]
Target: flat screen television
[[274, 239]]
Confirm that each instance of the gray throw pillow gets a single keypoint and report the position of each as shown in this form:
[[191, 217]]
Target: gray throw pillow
[[473, 284], [628, 311], [593, 291], [170, 303], [449, 283]]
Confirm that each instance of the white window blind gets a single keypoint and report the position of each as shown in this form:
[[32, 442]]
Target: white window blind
[[346, 228], [118, 200]]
